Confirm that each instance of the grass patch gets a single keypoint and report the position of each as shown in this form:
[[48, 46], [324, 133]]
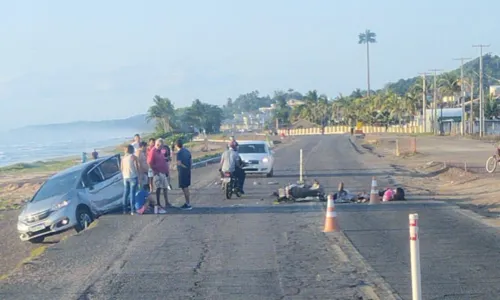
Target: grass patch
[[5, 204], [39, 166]]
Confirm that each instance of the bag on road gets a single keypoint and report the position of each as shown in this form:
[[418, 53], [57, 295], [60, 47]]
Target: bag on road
[[141, 198]]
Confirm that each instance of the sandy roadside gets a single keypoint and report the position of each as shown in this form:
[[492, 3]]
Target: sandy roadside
[[14, 252], [444, 168]]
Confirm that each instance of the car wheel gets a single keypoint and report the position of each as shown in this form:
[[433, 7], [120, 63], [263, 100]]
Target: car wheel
[[83, 218], [37, 240], [270, 174]]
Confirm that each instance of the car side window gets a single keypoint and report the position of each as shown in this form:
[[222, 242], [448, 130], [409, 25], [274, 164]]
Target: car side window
[[110, 168], [94, 176]]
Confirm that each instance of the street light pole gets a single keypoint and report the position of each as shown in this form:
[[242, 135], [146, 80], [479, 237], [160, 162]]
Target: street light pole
[[462, 91], [424, 100], [434, 108], [481, 96]]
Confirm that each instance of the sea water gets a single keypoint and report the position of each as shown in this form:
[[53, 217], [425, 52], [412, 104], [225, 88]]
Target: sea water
[[42, 144]]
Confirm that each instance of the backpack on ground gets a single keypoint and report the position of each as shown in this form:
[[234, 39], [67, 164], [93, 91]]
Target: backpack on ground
[[399, 195]]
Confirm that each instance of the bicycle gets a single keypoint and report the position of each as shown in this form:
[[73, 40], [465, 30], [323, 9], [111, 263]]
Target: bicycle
[[493, 161]]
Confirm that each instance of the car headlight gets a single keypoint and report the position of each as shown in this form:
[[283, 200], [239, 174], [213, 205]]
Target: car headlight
[[61, 205], [265, 160]]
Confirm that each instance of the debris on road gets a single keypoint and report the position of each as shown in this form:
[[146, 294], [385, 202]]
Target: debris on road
[[293, 192]]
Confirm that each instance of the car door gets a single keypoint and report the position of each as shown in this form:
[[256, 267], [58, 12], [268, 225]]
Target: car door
[[94, 183], [113, 179], [106, 187]]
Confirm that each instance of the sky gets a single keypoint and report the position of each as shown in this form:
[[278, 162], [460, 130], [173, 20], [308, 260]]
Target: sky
[[63, 61]]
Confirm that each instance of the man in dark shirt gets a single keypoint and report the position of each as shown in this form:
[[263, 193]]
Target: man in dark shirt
[[184, 163]]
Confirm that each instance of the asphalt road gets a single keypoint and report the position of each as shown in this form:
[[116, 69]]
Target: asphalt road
[[249, 248]]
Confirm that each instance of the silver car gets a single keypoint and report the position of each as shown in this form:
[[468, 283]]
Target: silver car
[[72, 198]]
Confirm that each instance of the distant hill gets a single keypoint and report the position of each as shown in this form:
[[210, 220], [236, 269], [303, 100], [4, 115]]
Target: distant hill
[[491, 68], [136, 123]]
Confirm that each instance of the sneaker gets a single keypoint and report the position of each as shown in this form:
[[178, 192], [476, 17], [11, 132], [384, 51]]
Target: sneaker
[[161, 211], [186, 207], [242, 192]]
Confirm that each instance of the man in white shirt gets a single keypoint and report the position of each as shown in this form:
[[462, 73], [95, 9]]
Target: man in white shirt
[[229, 159], [231, 162], [137, 142]]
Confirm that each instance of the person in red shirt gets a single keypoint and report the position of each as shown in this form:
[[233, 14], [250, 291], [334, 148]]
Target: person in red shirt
[[151, 145], [160, 168]]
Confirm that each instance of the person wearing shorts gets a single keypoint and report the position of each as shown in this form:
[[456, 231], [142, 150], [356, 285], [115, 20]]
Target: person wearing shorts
[[160, 168], [184, 162], [151, 146]]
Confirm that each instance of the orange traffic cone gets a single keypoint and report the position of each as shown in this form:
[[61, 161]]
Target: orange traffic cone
[[374, 197], [331, 215]]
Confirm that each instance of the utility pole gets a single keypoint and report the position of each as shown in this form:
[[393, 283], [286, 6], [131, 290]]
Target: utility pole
[[424, 100], [462, 91], [481, 93], [472, 122], [434, 108]]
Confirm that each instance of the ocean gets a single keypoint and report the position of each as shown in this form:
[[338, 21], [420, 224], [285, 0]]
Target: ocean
[[42, 144]]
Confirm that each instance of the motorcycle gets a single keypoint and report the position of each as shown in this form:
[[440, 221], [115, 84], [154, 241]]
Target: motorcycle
[[230, 185]]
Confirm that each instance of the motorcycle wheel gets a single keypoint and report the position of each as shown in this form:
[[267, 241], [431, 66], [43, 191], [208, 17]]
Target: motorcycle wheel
[[227, 191], [491, 164]]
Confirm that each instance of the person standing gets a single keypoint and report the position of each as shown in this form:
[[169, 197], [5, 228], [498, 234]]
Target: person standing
[[151, 145], [141, 155], [184, 162], [159, 165], [130, 171], [137, 141], [95, 155]]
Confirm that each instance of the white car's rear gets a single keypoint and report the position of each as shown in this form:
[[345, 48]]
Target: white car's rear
[[258, 156]]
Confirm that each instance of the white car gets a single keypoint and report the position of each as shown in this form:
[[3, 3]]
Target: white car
[[258, 156]]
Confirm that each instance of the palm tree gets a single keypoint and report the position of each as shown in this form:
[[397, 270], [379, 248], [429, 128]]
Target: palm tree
[[163, 113], [491, 108], [449, 85], [367, 38]]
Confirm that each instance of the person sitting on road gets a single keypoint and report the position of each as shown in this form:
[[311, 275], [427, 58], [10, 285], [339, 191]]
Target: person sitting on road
[[231, 162]]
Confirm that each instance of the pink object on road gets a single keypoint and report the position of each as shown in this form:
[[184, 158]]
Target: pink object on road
[[388, 195]]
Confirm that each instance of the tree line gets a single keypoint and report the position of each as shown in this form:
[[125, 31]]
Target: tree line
[[398, 102]]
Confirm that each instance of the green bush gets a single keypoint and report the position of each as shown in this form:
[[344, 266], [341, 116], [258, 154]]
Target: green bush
[[170, 138]]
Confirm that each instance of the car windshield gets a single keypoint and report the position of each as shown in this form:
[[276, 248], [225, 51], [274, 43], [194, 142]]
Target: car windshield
[[252, 148], [56, 186]]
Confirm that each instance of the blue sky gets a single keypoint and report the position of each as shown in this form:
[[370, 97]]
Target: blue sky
[[91, 60]]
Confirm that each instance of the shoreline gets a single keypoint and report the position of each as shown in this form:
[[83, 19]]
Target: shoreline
[[20, 181]]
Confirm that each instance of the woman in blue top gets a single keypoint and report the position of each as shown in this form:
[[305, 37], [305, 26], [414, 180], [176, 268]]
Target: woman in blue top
[[184, 163]]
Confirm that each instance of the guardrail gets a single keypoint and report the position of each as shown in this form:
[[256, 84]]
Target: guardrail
[[206, 162], [201, 164]]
